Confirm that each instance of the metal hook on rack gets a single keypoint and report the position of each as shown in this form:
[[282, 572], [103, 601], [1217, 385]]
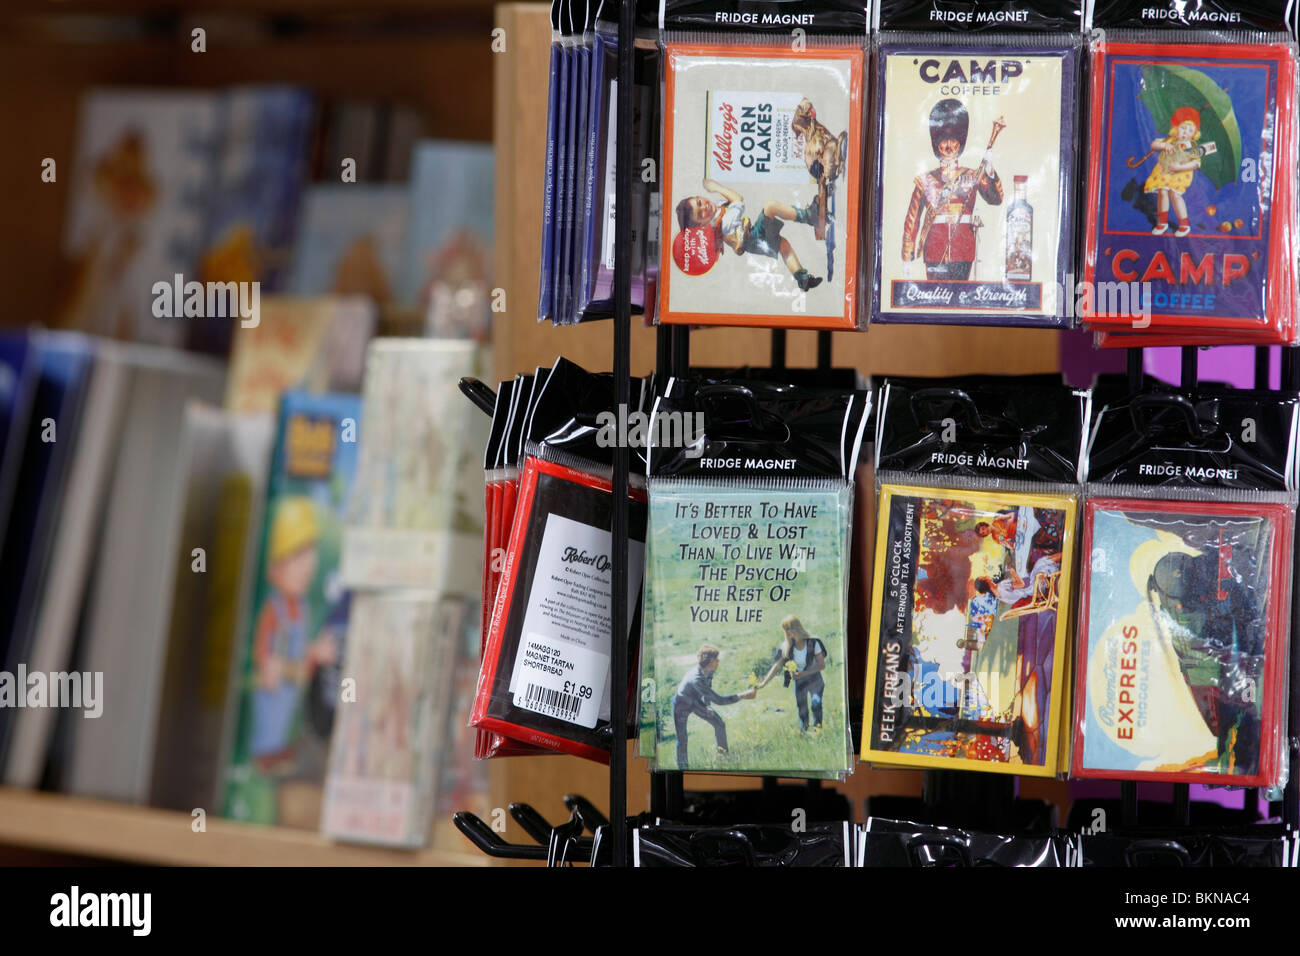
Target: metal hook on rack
[[537, 827], [565, 839], [1145, 853], [936, 850], [481, 835], [559, 845], [592, 818], [481, 395], [532, 822]]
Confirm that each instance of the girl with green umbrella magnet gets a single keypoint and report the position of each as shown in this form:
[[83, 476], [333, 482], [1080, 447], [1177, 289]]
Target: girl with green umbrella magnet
[[1182, 152], [1180, 157]]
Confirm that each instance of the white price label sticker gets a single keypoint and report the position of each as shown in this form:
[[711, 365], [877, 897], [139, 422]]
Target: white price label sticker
[[561, 680]]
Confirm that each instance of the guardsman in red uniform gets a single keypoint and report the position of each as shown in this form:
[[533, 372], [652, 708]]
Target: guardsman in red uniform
[[941, 220]]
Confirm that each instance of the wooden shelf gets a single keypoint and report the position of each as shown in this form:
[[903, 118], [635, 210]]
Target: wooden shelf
[[114, 831]]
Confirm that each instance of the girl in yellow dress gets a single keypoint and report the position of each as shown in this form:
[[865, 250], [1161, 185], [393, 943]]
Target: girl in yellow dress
[[1180, 157]]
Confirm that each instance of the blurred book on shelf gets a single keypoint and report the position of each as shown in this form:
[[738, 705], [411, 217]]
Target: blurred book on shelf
[[351, 238], [449, 246], [263, 136], [412, 534], [41, 638], [373, 137], [391, 723], [299, 614], [18, 376], [128, 602], [463, 782], [411, 523], [224, 460], [312, 344], [54, 385], [139, 200], [177, 194]]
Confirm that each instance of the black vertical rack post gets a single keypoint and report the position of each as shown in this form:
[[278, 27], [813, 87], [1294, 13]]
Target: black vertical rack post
[[672, 358], [778, 348], [1262, 366], [623, 160]]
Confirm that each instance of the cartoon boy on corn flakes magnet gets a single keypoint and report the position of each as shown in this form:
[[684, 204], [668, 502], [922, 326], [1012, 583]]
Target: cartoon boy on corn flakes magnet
[[707, 226]]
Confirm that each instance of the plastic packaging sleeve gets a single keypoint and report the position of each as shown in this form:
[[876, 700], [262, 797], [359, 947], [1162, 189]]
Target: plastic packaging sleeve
[[1191, 208], [1184, 620], [970, 623], [746, 567], [973, 209]]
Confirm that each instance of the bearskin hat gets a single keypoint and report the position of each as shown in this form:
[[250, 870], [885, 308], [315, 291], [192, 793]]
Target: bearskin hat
[[948, 120]]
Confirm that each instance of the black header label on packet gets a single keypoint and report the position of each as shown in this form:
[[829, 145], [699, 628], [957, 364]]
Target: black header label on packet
[[512, 442], [814, 16], [755, 427], [1216, 441], [980, 16], [1179, 15], [496, 436], [997, 429]]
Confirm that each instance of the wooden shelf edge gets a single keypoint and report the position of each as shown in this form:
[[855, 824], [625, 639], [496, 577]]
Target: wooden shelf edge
[[116, 831]]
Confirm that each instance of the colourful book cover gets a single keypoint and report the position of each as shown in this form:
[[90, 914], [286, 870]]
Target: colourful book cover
[[970, 614], [384, 753], [449, 228], [294, 638], [351, 240], [265, 135], [312, 344], [137, 206], [413, 522]]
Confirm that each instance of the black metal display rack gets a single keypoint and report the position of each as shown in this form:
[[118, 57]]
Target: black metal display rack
[[624, 163], [955, 791]]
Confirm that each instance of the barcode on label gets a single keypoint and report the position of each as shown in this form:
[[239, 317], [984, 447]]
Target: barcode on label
[[548, 700]]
